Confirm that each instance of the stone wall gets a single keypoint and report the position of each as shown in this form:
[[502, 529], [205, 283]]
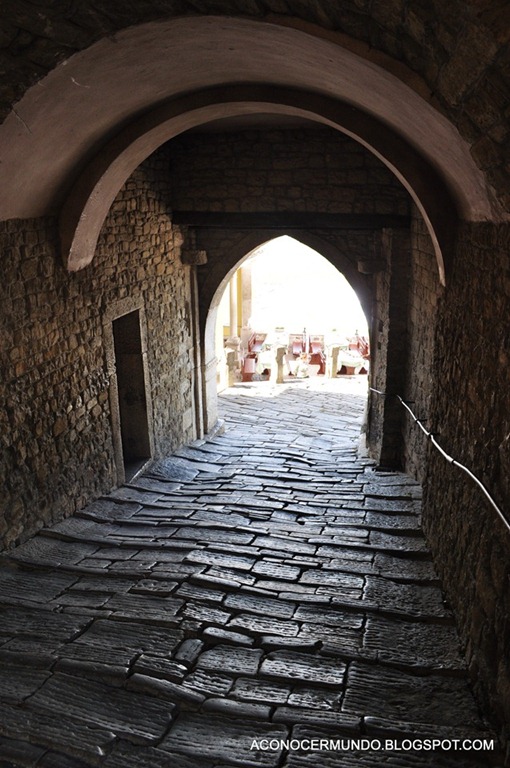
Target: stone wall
[[470, 410], [318, 170], [379, 334], [56, 445], [314, 170], [424, 296], [390, 345]]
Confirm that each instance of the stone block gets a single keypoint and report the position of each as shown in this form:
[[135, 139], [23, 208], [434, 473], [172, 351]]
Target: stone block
[[216, 635], [159, 667], [137, 717], [264, 606], [381, 692], [17, 752], [71, 737], [130, 636], [215, 737], [249, 689], [237, 709], [259, 625], [19, 682], [209, 682], [231, 659], [303, 667], [188, 651], [406, 599], [163, 689]]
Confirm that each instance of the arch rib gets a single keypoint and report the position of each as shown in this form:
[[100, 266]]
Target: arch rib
[[94, 191]]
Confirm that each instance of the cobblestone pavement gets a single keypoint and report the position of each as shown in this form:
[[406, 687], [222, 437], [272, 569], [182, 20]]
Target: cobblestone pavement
[[266, 585]]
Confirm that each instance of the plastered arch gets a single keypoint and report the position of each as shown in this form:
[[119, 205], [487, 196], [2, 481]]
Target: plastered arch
[[77, 136], [89, 201]]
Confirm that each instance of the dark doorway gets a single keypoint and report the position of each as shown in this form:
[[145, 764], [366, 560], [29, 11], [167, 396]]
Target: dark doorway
[[132, 398]]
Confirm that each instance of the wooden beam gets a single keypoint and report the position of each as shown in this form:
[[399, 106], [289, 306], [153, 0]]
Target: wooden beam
[[290, 220]]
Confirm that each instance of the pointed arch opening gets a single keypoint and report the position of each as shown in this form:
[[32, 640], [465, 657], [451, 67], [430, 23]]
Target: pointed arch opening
[[283, 293]]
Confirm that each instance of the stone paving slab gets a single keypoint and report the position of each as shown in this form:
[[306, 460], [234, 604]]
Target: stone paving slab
[[228, 659], [52, 552], [17, 752], [156, 666], [130, 605], [267, 692], [389, 693], [335, 637], [18, 587], [303, 667], [19, 682], [342, 723], [105, 706], [85, 741], [217, 558], [393, 486], [406, 568], [259, 625], [404, 543], [107, 509], [391, 504], [329, 618], [384, 522], [261, 605], [209, 682], [414, 643], [39, 623], [100, 654], [406, 599], [348, 756], [266, 583], [130, 636], [215, 737], [133, 496]]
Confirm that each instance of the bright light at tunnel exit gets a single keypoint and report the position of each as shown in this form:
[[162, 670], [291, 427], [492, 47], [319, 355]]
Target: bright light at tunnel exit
[[295, 287]]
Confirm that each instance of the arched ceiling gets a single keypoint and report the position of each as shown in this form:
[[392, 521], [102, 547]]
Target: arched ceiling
[[63, 120], [84, 110], [87, 204]]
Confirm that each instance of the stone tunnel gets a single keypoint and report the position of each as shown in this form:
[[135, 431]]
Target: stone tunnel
[[148, 148]]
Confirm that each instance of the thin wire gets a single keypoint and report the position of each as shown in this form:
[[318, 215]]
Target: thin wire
[[450, 459]]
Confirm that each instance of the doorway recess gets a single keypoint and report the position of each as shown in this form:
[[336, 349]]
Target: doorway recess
[[131, 393]]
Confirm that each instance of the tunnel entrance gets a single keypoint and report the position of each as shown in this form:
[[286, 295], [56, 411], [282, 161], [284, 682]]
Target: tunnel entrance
[[133, 422], [287, 295]]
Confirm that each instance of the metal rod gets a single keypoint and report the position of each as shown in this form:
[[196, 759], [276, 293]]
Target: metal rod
[[430, 436]]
